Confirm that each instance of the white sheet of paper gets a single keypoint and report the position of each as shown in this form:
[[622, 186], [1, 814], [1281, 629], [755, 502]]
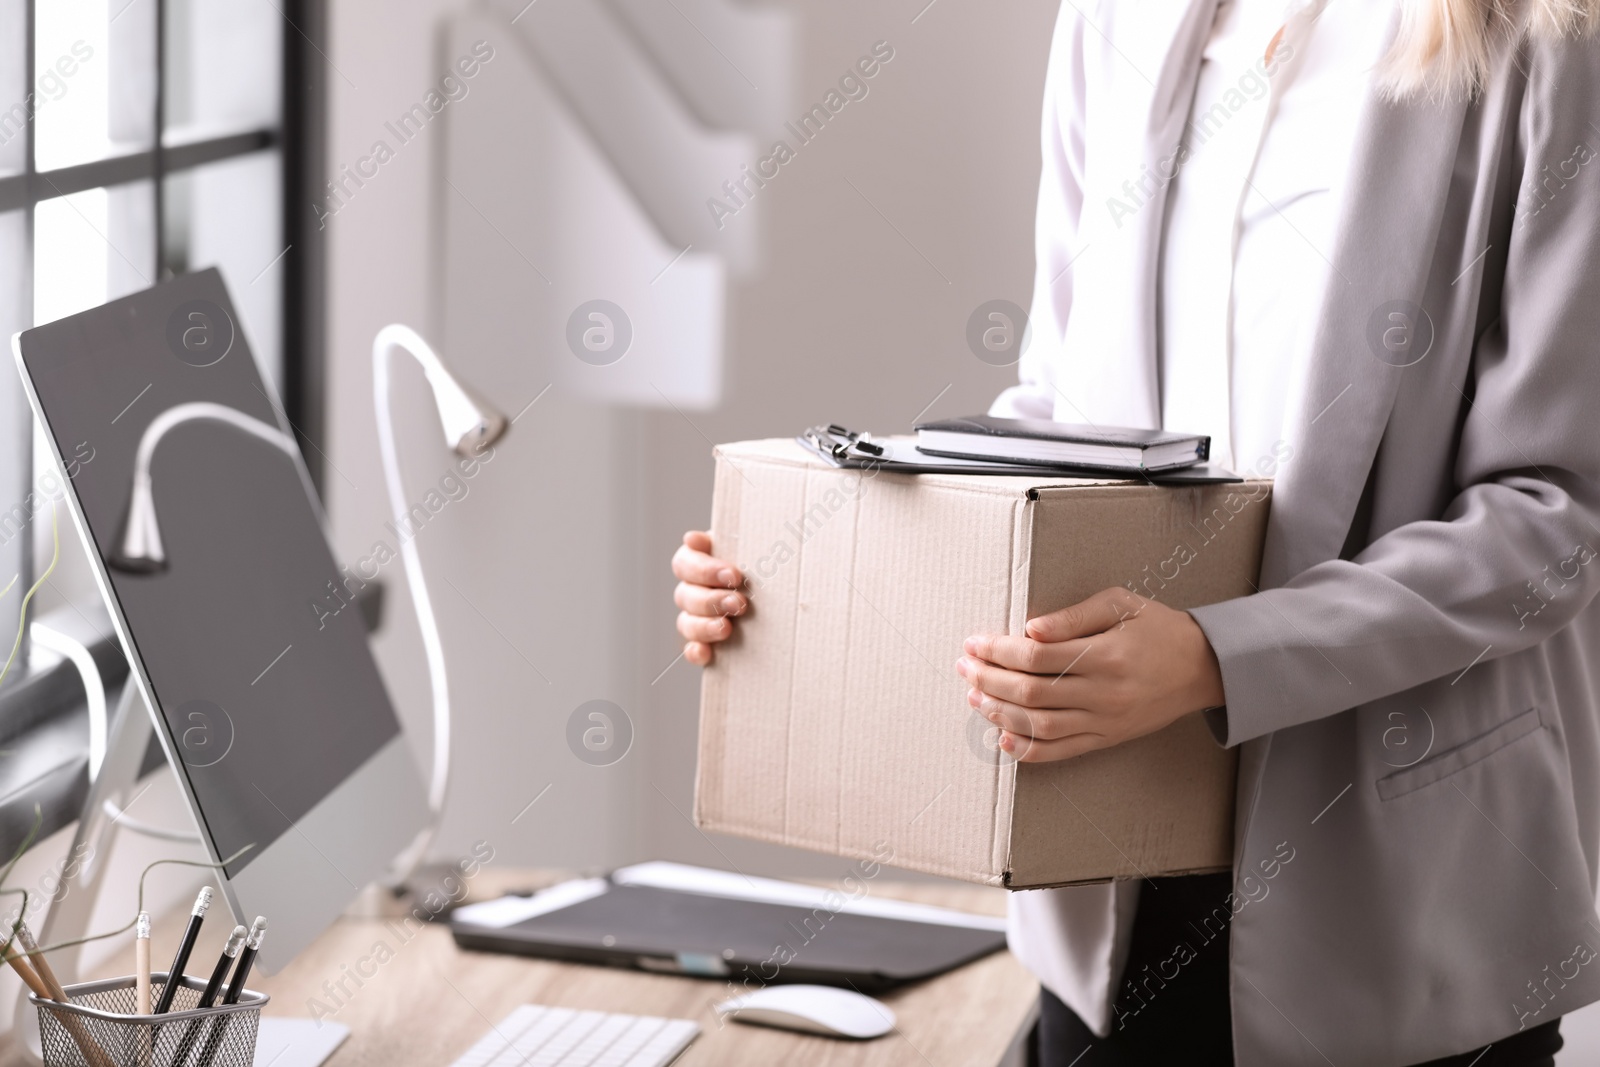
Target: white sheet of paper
[[508, 911], [297, 1042]]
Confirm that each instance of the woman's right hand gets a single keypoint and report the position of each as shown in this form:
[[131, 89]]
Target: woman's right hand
[[707, 597]]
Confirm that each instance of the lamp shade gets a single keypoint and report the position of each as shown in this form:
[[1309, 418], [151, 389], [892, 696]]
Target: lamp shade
[[468, 425], [139, 548]]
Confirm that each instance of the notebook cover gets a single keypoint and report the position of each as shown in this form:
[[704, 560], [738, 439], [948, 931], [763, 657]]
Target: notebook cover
[[1046, 430]]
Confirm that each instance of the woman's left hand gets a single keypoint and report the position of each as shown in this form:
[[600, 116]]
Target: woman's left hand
[[1101, 672]]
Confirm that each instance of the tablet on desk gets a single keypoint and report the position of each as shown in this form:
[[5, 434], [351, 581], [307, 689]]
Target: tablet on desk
[[675, 919]]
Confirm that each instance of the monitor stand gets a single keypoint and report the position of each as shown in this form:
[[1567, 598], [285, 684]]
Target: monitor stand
[[282, 1042]]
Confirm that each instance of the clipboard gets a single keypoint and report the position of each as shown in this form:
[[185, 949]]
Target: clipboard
[[850, 450]]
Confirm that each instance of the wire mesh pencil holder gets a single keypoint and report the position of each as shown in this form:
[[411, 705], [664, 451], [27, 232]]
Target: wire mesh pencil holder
[[98, 1028]]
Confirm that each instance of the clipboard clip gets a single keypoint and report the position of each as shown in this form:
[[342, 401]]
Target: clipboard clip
[[841, 443]]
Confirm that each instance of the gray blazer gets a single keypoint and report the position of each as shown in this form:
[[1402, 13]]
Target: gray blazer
[[1415, 687]]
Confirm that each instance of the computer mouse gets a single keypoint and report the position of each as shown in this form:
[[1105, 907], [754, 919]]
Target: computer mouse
[[816, 1009]]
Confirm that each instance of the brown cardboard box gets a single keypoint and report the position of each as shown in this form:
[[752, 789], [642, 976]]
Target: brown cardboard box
[[834, 720]]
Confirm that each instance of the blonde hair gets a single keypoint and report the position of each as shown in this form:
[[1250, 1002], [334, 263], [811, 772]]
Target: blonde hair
[[1443, 47]]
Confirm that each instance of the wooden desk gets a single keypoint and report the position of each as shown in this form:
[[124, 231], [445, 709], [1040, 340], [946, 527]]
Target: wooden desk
[[428, 1001]]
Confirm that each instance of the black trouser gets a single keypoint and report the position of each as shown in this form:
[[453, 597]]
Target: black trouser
[[1185, 1019]]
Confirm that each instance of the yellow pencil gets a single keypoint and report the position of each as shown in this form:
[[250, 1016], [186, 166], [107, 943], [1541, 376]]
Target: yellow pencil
[[74, 1026]]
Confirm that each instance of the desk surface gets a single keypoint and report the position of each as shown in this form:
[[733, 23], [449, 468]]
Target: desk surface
[[428, 1001]]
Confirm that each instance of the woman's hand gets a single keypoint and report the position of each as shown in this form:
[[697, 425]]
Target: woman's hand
[[707, 597], [1104, 671]]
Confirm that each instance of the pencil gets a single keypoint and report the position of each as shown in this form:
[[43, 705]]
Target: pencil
[[197, 915], [141, 963], [40, 964], [241, 972], [141, 986], [25, 972], [247, 959], [74, 1026], [230, 952]]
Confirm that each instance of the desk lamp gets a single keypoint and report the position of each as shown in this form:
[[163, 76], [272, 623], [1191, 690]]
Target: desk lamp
[[469, 427]]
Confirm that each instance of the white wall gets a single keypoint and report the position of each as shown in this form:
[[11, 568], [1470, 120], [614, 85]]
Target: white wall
[[856, 316]]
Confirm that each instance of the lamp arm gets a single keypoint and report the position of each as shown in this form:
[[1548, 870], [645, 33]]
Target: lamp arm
[[93, 688], [204, 409], [388, 340]]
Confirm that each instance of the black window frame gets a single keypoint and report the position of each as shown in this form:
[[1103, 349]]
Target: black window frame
[[44, 775]]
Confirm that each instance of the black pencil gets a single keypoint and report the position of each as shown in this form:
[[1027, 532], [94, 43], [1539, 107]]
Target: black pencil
[[197, 915], [247, 959], [230, 951]]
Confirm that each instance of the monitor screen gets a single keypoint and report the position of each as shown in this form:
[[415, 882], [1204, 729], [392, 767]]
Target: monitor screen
[[246, 628]]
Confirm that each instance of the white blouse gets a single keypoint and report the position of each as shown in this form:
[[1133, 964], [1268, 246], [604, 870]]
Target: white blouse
[[1247, 248], [1250, 218]]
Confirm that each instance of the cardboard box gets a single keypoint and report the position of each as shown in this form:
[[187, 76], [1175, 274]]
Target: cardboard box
[[835, 721]]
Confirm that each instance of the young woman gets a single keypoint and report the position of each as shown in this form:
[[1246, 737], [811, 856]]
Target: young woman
[[1358, 242]]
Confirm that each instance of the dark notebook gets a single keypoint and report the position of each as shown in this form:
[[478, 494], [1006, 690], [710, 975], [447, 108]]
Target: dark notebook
[[1059, 444]]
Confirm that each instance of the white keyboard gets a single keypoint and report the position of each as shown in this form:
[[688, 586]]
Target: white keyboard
[[536, 1036]]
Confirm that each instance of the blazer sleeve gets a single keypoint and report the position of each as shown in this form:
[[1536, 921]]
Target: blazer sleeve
[[1056, 225], [1513, 557]]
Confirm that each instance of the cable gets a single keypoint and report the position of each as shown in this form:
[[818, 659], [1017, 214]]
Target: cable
[[16, 923], [22, 612]]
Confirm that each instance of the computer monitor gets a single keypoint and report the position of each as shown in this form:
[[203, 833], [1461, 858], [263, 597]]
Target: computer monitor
[[208, 544]]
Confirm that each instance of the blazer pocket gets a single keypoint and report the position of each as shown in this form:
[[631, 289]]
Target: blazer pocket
[[1437, 768]]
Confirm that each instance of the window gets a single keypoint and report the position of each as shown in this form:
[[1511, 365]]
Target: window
[[140, 139]]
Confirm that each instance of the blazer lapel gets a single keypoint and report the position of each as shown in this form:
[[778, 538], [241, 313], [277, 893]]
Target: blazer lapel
[[1394, 202]]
